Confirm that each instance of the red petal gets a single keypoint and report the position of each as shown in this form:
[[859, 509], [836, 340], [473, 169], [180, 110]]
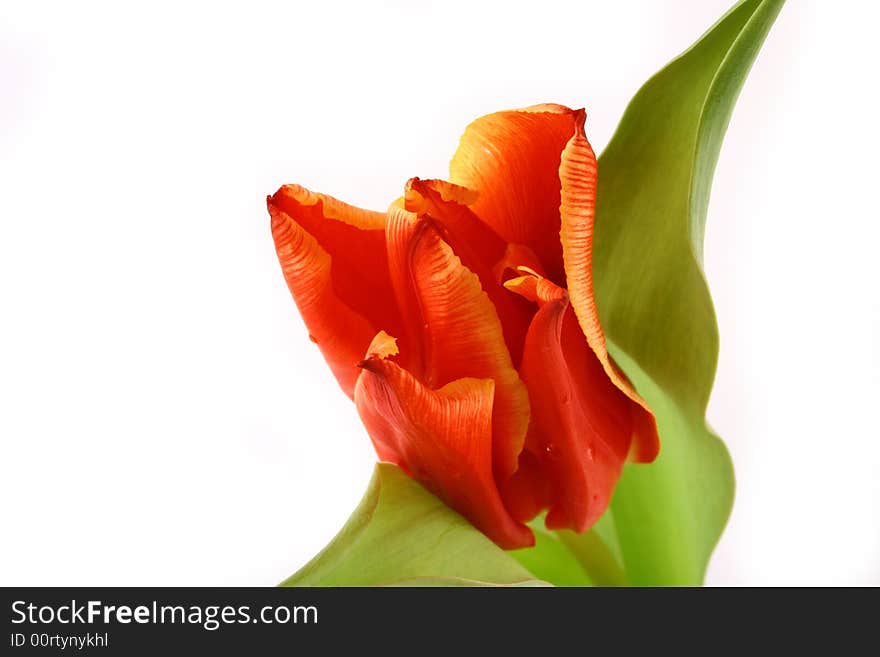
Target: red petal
[[577, 173], [528, 491], [334, 259], [442, 438], [582, 424], [512, 159]]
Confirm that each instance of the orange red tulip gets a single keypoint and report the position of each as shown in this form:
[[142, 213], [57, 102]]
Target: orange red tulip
[[462, 322]]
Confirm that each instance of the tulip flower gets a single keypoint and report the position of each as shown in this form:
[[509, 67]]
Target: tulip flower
[[463, 324]]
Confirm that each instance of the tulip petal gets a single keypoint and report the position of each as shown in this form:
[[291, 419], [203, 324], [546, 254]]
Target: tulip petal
[[334, 260], [479, 247], [582, 424], [338, 330], [578, 174], [462, 337], [355, 240], [400, 231], [511, 159], [442, 438], [528, 491], [448, 204]]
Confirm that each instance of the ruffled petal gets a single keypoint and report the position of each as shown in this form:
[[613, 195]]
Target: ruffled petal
[[479, 247], [334, 259], [578, 174], [511, 159], [581, 423], [339, 331], [442, 438]]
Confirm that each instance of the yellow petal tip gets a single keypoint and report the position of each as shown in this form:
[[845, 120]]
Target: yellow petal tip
[[383, 346]]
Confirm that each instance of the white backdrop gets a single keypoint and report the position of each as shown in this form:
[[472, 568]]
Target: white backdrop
[[164, 418]]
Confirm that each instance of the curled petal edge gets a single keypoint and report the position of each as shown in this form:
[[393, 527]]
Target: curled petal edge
[[578, 174]]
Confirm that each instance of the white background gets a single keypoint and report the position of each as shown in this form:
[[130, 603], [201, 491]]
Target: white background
[[164, 418]]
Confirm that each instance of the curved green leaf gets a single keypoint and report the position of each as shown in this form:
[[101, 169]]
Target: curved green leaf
[[401, 535], [654, 183]]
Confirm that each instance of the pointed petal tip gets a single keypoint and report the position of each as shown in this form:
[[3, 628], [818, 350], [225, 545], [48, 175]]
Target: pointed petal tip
[[534, 287], [645, 446], [273, 210], [277, 216]]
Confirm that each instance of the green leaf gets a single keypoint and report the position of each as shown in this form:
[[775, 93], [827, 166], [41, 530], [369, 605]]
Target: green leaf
[[654, 183], [401, 535]]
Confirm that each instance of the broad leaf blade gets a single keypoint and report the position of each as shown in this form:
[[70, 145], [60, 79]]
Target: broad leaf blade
[[401, 535], [654, 182]]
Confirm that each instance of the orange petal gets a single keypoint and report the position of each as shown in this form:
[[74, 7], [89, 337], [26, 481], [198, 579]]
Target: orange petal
[[512, 160], [452, 329], [339, 331], [442, 438], [535, 287], [479, 247], [355, 240], [582, 424], [401, 233], [422, 196], [463, 338], [577, 174], [448, 205], [335, 262]]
